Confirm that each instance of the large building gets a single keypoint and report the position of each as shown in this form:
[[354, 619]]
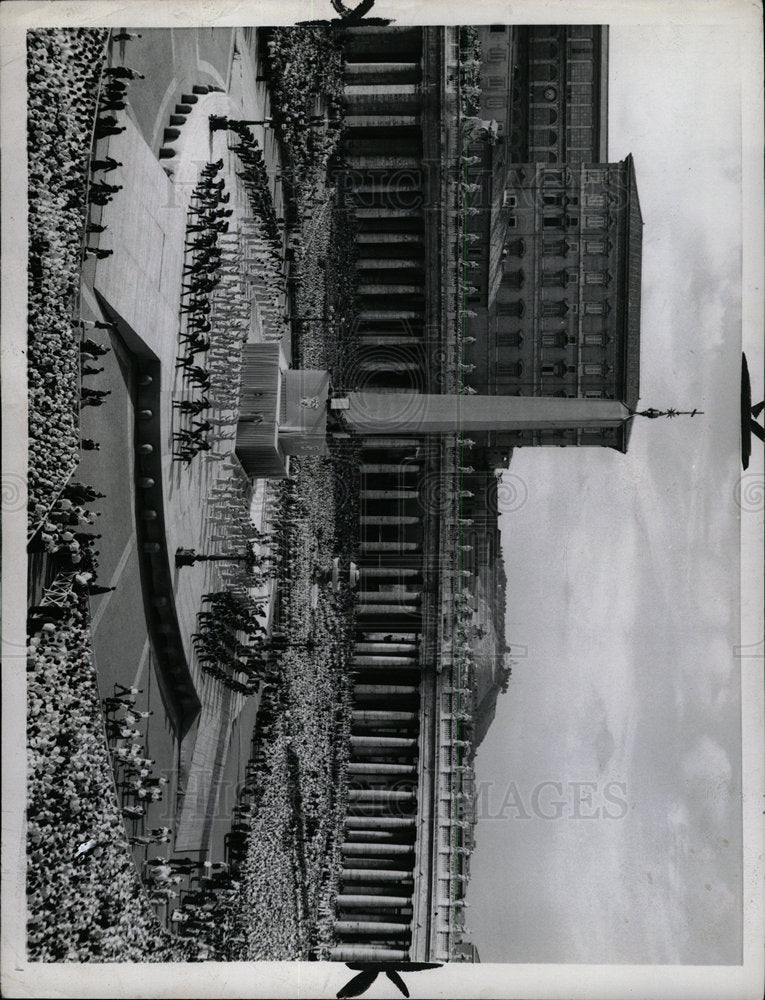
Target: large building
[[498, 254]]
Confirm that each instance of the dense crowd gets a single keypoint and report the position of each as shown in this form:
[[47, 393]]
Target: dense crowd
[[63, 73], [85, 899], [293, 860], [306, 66]]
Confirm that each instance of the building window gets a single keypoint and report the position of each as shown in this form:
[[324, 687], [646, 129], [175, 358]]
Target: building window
[[510, 369], [498, 29], [513, 276], [495, 103], [593, 176], [511, 222], [592, 369], [556, 368], [594, 340], [555, 248], [595, 222], [559, 308], [497, 82], [595, 308], [596, 246], [580, 46], [597, 277], [554, 279], [572, 221], [497, 55], [595, 200], [554, 339], [509, 200], [593, 394], [516, 308], [509, 338], [550, 93]]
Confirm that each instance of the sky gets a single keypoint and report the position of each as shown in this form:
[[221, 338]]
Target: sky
[[623, 585]]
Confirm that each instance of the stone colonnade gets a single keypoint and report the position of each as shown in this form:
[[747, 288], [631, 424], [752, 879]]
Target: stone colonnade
[[385, 181]]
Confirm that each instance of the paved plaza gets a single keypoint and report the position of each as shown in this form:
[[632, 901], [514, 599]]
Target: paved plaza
[[139, 288]]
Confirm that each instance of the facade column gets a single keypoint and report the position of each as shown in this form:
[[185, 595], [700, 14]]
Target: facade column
[[387, 609], [379, 795], [372, 928], [363, 901], [385, 663], [390, 546], [376, 875], [383, 691], [361, 953], [371, 717], [386, 648], [377, 850], [382, 769], [380, 822], [384, 742]]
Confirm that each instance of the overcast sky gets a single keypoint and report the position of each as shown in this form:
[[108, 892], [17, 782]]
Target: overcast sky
[[623, 580]]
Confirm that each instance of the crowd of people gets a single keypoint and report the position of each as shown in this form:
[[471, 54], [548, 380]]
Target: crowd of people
[[63, 74], [297, 825], [305, 65], [85, 900]]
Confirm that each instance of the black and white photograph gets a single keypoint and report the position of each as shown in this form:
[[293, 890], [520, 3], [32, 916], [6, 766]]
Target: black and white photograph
[[383, 500]]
